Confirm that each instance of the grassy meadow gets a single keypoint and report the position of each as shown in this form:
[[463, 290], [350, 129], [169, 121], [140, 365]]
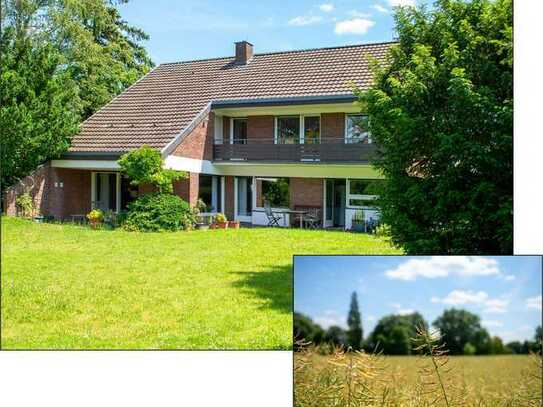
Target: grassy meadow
[[70, 287], [351, 379]]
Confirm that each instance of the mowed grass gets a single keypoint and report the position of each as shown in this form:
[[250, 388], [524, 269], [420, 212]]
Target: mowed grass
[[69, 287], [505, 380]]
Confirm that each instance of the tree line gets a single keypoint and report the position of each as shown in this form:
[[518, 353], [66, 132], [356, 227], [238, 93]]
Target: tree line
[[461, 331]]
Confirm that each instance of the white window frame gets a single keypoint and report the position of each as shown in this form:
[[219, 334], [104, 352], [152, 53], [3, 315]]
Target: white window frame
[[301, 118], [117, 188], [345, 135], [215, 185], [350, 196], [232, 127], [242, 218]]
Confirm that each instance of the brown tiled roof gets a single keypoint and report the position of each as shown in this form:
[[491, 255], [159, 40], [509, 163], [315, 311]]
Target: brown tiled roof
[[164, 102]]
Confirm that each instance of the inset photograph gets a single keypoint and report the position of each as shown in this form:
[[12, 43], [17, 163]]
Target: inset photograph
[[417, 331]]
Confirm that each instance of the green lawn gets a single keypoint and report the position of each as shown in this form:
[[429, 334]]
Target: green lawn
[[66, 286]]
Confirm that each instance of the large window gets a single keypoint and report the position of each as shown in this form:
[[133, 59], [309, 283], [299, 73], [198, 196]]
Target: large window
[[210, 192], [312, 130], [288, 130], [356, 129], [363, 193], [298, 130], [239, 131], [276, 192]]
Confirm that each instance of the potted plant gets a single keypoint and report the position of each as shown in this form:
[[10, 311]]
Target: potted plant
[[202, 222], [25, 205], [359, 223], [233, 224], [95, 217], [220, 221]]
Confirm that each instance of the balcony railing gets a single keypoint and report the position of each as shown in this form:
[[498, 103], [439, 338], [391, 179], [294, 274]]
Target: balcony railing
[[328, 151]]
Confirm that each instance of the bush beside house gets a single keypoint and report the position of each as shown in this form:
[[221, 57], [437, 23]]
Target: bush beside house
[[160, 210]]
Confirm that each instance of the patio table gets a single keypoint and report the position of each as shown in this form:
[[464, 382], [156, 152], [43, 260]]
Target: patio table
[[293, 212]]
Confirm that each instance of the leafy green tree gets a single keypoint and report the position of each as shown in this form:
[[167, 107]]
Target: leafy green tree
[[498, 347], [516, 347], [469, 349], [457, 328], [306, 330], [60, 61], [145, 165], [39, 105], [442, 113], [102, 52], [392, 334], [335, 335], [354, 333], [538, 337]]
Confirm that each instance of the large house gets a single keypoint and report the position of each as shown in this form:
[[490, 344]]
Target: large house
[[282, 127]]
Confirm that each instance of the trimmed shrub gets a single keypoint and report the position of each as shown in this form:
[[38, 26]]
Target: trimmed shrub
[[159, 212]]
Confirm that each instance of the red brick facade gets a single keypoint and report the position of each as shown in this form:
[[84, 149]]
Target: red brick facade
[[333, 127], [187, 188], [262, 128], [198, 144], [307, 192], [58, 192], [229, 197]]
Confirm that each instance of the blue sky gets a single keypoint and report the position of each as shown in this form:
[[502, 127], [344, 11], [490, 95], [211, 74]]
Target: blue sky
[[504, 291], [195, 29]]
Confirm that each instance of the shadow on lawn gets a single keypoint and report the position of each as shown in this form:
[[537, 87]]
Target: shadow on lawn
[[273, 285]]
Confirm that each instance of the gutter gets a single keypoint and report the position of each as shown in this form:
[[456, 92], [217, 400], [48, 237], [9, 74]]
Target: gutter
[[91, 155], [297, 100]]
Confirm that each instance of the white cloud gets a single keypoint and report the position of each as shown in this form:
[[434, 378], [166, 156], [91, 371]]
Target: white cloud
[[459, 297], [534, 302], [401, 3], [443, 266], [405, 311], [509, 277], [496, 306], [491, 323], [331, 318], [358, 14], [326, 7], [370, 318], [379, 8], [354, 26], [304, 20]]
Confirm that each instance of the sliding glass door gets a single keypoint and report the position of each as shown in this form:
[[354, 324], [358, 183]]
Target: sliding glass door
[[244, 198], [106, 191]]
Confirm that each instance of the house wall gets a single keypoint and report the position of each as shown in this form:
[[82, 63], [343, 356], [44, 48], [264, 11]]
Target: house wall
[[72, 198], [262, 127], [187, 189], [229, 197], [198, 144], [306, 192], [332, 127]]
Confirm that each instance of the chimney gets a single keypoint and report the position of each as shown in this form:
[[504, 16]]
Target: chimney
[[244, 52]]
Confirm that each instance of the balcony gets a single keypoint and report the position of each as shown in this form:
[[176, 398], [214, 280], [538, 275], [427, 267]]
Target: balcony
[[329, 151]]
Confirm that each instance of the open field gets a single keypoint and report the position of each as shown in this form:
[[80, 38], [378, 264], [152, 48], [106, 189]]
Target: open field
[[513, 380], [66, 286]]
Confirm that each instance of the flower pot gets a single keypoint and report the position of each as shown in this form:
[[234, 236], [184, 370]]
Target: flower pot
[[222, 225], [233, 224], [94, 224], [202, 226]]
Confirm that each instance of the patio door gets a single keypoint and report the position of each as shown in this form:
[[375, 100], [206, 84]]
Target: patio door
[[106, 191], [335, 203], [243, 189]]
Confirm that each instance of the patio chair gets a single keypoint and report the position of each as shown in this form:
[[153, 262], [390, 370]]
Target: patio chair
[[272, 219], [312, 219]]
